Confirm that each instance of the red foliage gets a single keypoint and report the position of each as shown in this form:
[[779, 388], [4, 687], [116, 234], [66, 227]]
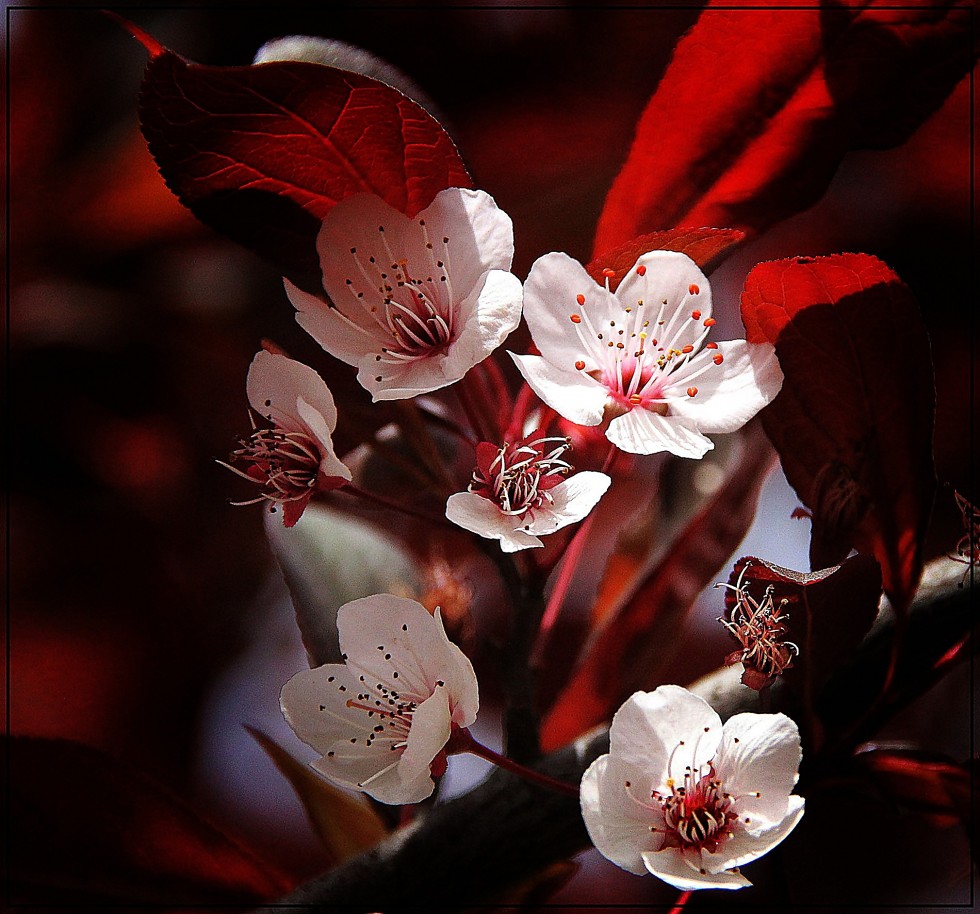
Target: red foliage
[[853, 421], [827, 612], [263, 153], [707, 247], [89, 829], [633, 644], [758, 106]]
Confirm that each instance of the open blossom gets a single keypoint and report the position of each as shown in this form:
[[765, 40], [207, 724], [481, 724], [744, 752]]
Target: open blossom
[[687, 799], [522, 491], [382, 718], [414, 303], [290, 455], [639, 357]]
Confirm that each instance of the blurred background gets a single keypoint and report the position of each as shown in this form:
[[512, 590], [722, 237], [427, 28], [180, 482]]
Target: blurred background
[[147, 618]]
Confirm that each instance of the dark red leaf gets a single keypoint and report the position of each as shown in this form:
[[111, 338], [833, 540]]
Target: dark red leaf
[[263, 153], [707, 247], [632, 646], [853, 421], [86, 827], [828, 611], [922, 781], [758, 106]]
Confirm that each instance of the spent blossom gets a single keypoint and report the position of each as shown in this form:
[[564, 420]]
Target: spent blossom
[[520, 492], [687, 799], [381, 719], [638, 358], [415, 303], [760, 628], [290, 455]]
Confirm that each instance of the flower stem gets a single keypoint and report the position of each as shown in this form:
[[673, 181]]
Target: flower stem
[[682, 900], [463, 741], [372, 497], [564, 580]]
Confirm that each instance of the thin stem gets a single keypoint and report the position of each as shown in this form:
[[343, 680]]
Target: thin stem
[[682, 900], [564, 580], [494, 380], [463, 741], [374, 498], [419, 438]]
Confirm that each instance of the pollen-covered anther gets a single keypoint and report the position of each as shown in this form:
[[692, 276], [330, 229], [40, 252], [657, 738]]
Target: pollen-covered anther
[[580, 365], [576, 318], [692, 391], [694, 289], [718, 359], [580, 298]]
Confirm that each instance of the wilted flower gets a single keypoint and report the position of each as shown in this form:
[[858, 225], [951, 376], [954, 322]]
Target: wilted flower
[[682, 797], [291, 456], [414, 303], [525, 490], [381, 719], [760, 628], [635, 357]]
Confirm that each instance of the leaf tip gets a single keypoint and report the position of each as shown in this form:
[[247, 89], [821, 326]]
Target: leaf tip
[[153, 47]]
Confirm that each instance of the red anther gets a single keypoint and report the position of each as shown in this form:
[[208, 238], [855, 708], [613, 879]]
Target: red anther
[[687, 349], [608, 273], [718, 359], [711, 345], [692, 391], [641, 270], [636, 399], [576, 318], [696, 315], [710, 322], [580, 365], [693, 289], [580, 299]]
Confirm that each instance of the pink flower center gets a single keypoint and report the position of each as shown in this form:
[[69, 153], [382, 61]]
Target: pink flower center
[[519, 476], [285, 464], [698, 814], [634, 354], [415, 317]]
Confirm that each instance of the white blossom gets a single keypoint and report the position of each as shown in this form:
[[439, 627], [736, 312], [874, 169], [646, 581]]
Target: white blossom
[[382, 718], [414, 303], [290, 452], [687, 799], [638, 358], [520, 492]]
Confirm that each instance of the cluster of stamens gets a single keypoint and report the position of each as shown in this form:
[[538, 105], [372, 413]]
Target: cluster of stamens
[[519, 477], [968, 547], [636, 353], [760, 628], [415, 316], [285, 464]]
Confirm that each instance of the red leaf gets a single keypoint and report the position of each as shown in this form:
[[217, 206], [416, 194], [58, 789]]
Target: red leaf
[[758, 106], [263, 153], [853, 421], [85, 826], [828, 611], [923, 781], [707, 247], [632, 645]]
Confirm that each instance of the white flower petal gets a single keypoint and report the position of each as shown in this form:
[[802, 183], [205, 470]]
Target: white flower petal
[[661, 732], [673, 277], [640, 431], [746, 845], [618, 826], [343, 338], [551, 299], [487, 316], [573, 499], [731, 393], [759, 753], [276, 382], [316, 426], [481, 516], [674, 868], [481, 235], [574, 395], [431, 728]]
